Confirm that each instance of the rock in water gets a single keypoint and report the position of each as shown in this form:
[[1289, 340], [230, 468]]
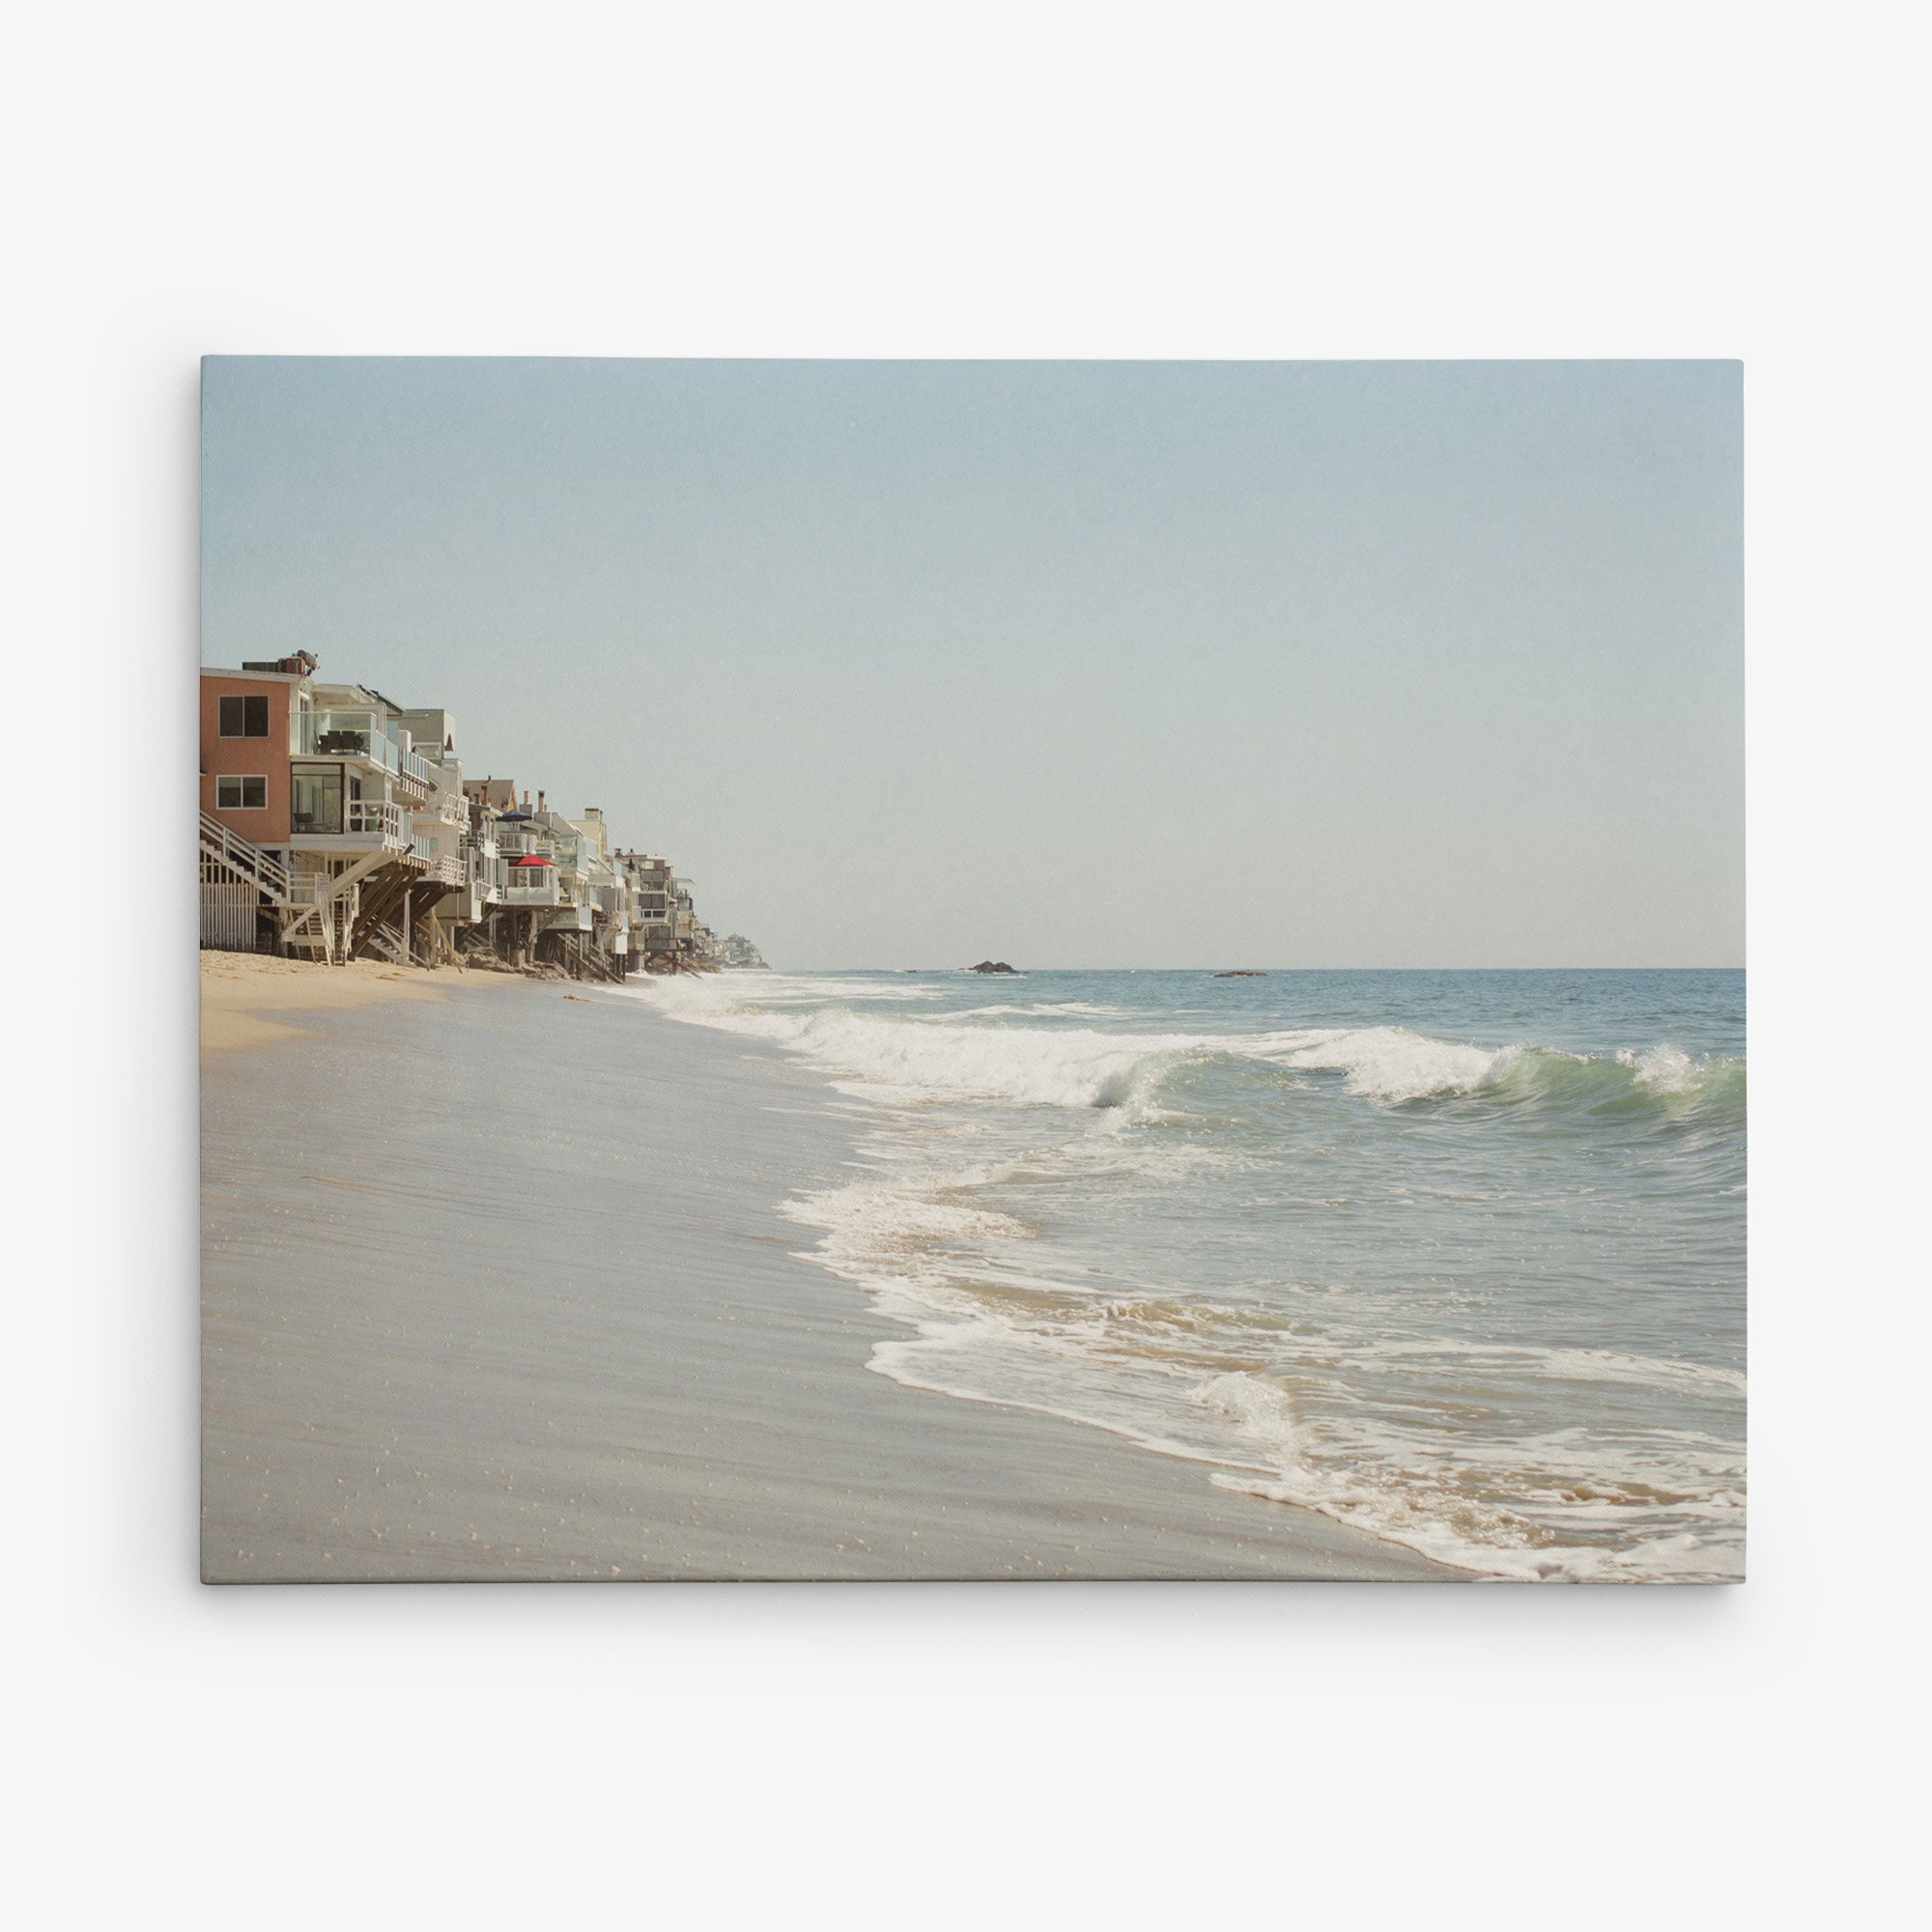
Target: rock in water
[[992, 966]]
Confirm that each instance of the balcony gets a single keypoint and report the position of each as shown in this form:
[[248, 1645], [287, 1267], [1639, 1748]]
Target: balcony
[[546, 891], [375, 818], [356, 823], [342, 734]]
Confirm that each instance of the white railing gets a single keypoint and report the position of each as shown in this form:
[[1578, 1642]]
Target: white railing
[[546, 894], [374, 817]]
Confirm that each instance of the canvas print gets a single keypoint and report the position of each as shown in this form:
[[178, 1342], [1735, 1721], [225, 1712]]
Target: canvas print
[[972, 970]]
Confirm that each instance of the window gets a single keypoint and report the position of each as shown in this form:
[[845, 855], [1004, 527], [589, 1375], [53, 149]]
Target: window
[[233, 794], [244, 717], [315, 798]]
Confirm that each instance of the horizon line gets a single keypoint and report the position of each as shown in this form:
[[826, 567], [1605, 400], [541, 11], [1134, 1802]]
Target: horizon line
[[1020, 971]]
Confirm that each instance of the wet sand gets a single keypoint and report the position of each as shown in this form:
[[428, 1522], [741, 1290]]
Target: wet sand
[[493, 1288]]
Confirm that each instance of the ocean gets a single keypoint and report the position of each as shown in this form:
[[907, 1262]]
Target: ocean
[[1454, 1258]]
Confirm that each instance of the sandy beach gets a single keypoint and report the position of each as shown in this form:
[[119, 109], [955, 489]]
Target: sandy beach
[[494, 1289], [238, 988]]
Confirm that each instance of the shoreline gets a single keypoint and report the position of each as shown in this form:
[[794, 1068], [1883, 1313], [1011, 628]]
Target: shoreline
[[542, 1317]]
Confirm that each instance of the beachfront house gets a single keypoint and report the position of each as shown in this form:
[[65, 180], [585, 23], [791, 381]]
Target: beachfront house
[[247, 724], [468, 908], [608, 895], [338, 824], [324, 833], [370, 842], [684, 925], [653, 928]]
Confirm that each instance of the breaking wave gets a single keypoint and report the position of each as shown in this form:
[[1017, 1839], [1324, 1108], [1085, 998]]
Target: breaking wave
[[954, 1059]]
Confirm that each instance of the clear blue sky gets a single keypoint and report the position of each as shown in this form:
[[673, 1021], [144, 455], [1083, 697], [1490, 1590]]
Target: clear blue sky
[[1072, 664]]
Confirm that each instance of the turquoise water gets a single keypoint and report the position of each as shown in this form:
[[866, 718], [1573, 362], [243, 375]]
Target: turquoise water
[[1456, 1257]]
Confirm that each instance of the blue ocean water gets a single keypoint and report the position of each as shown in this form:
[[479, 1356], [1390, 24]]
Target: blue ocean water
[[1456, 1257]]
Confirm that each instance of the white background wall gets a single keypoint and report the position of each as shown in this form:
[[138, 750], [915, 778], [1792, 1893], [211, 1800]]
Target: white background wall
[[1049, 180]]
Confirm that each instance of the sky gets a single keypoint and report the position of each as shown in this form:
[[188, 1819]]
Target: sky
[[1068, 664]]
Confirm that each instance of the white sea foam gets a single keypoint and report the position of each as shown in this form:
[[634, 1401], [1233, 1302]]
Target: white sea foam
[[1561, 1506], [692, 994], [877, 1230], [1391, 1064], [908, 1061], [1063, 1067], [1047, 1010], [1665, 1070], [1551, 1364], [1567, 1504], [1556, 1504]]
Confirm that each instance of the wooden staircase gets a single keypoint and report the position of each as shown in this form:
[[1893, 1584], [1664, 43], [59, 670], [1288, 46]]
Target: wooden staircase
[[331, 919]]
